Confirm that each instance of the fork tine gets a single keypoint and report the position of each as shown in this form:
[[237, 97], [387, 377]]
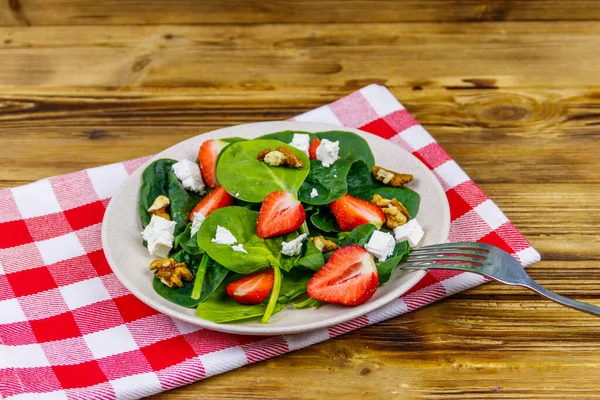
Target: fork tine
[[472, 260], [427, 252]]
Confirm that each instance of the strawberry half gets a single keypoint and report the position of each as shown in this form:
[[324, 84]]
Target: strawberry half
[[349, 277], [312, 150], [218, 198], [351, 212], [207, 156], [252, 289], [280, 213]]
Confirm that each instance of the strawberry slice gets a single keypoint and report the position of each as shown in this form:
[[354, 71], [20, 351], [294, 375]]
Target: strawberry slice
[[280, 213], [349, 277], [351, 212], [252, 289], [218, 198], [207, 156], [312, 150]]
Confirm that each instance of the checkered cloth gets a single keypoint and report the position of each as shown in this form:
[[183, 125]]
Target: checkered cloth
[[70, 330]]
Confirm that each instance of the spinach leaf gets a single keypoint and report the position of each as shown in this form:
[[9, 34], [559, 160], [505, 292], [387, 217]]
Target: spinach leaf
[[312, 258], [182, 203], [234, 139], [213, 276], [324, 220], [155, 182], [330, 182], [293, 285], [384, 268], [274, 245], [307, 302], [362, 184], [241, 222], [359, 235], [220, 307], [239, 171], [187, 242], [287, 136]]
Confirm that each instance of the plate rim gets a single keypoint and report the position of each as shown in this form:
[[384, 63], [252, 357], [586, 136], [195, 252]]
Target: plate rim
[[412, 278]]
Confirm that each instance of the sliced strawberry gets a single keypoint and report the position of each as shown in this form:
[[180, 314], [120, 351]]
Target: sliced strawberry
[[218, 198], [280, 213], [312, 150], [252, 289], [351, 212], [207, 156], [349, 277]]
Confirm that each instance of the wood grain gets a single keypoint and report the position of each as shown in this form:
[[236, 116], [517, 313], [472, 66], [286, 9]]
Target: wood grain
[[137, 12], [516, 104], [302, 57]]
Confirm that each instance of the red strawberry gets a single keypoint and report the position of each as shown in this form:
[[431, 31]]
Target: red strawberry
[[252, 289], [312, 150], [280, 213], [351, 212], [349, 277], [218, 198], [207, 156]]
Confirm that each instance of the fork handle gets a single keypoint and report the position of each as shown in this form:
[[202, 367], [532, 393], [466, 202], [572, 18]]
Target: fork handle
[[565, 301]]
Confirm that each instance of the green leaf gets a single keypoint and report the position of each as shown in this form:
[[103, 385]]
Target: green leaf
[[155, 182], [385, 268], [307, 302], [239, 171], [274, 245], [359, 235], [182, 203], [324, 220], [330, 182], [214, 275], [187, 242], [363, 185], [312, 258], [241, 222], [287, 136], [293, 285], [221, 308]]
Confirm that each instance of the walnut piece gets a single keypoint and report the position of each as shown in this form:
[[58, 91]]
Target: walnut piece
[[170, 272], [159, 207], [395, 213], [280, 156], [391, 178], [324, 245]]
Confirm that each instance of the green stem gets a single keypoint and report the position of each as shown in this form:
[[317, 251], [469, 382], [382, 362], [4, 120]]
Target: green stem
[[197, 289], [304, 228], [274, 295]]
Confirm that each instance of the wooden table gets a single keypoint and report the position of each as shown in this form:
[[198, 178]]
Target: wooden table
[[509, 88]]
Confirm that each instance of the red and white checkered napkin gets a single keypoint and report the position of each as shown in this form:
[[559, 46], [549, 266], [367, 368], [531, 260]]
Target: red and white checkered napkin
[[70, 330]]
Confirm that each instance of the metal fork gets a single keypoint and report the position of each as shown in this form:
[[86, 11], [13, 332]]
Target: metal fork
[[488, 261]]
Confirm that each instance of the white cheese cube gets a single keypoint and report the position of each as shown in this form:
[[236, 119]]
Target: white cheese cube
[[301, 141], [293, 247], [314, 193], [327, 152], [188, 172], [410, 231], [198, 220], [159, 235], [239, 248], [224, 236], [381, 245]]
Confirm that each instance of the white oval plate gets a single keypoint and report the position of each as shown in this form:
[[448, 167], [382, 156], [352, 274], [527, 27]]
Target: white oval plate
[[129, 259]]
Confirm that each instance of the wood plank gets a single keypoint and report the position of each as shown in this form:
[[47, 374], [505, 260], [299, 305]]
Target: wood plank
[[303, 56], [132, 12], [479, 344]]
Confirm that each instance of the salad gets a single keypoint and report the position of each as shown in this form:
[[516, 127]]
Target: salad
[[293, 219]]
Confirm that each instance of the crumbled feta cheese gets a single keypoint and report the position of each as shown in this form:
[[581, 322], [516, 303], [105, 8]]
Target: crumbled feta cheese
[[327, 152], [293, 247], [159, 235], [188, 173], [237, 194], [239, 248], [198, 220], [301, 141], [314, 193], [224, 236], [410, 231], [381, 245]]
